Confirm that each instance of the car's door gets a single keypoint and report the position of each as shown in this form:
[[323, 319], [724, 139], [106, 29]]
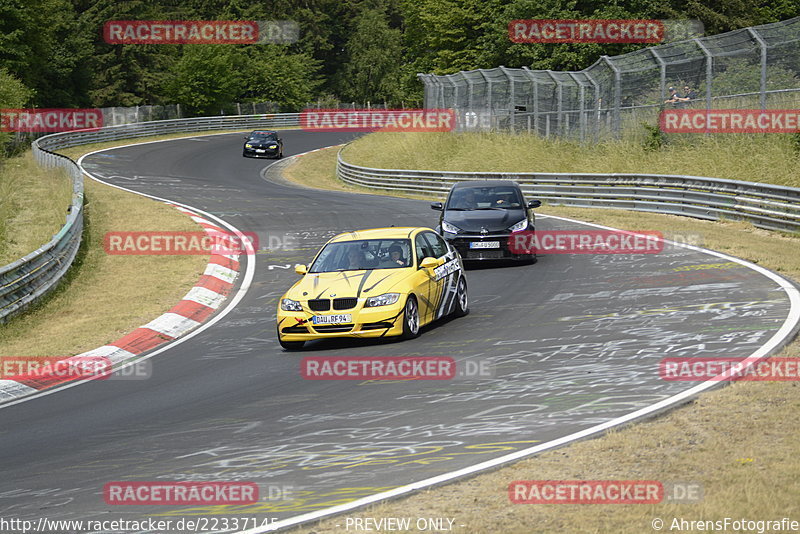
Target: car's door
[[445, 276], [425, 286]]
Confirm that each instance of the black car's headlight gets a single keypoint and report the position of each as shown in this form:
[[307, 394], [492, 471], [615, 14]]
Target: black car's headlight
[[449, 228], [248, 145], [520, 226], [273, 146], [382, 300], [290, 305]]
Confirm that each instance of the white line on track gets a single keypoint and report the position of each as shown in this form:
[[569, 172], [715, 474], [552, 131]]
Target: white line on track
[[246, 280], [788, 327]]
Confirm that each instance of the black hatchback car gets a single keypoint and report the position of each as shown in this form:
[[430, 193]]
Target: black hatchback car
[[263, 144], [480, 217]]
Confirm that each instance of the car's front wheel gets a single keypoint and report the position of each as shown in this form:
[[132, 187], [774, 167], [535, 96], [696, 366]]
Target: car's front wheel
[[462, 300], [411, 318]]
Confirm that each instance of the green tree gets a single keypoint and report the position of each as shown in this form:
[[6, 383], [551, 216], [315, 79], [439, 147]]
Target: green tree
[[206, 78], [270, 74], [374, 65]]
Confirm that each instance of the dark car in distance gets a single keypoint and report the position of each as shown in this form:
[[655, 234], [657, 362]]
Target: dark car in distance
[[263, 144], [480, 218]]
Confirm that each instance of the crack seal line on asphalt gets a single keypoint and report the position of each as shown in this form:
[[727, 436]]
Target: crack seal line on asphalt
[[232, 302]]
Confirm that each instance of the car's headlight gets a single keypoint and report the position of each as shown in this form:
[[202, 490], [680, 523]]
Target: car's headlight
[[273, 146], [248, 145], [520, 226], [290, 305], [449, 228], [382, 300]]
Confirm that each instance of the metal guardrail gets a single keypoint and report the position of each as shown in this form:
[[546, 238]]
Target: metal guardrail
[[764, 205], [28, 279]]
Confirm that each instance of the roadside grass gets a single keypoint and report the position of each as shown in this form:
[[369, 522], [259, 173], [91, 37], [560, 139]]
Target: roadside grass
[[33, 206], [768, 158], [739, 442], [106, 296]]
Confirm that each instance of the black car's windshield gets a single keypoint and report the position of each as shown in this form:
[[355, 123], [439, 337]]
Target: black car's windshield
[[363, 254], [263, 136], [484, 198]]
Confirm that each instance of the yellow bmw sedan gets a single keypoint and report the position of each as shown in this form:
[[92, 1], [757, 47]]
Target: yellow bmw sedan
[[373, 283]]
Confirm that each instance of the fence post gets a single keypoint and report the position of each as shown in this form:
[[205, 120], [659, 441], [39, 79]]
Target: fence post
[[530, 75], [559, 101], [763, 87], [709, 71], [581, 116], [663, 80], [615, 127], [513, 108], [597, 100]]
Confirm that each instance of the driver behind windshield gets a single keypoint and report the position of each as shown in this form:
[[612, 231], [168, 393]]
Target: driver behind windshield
[[395, 258]]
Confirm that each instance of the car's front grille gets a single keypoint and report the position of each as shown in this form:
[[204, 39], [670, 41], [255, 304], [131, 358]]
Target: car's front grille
[[333, 328], [344, 303], [319, 304], [485, 254]]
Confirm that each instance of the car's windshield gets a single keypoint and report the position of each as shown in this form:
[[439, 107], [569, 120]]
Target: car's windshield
[[263, 136], [477, 198], [363, 254]]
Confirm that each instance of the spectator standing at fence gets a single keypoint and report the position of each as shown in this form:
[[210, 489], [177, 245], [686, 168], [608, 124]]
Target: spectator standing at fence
[[690, 94], [674, 97]]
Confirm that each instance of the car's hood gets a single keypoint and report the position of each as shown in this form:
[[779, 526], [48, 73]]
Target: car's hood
[[366, 283], [492, 220]]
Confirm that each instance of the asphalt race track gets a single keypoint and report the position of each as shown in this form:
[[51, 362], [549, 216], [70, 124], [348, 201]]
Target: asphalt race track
[[571, 342]]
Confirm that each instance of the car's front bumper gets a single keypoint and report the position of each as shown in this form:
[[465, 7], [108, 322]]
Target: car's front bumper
[[267, 152], [504, 251], [379, 321]]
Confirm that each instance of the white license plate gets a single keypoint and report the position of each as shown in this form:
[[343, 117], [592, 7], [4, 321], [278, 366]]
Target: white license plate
[[332, 319], [484, 244], [260, 150]]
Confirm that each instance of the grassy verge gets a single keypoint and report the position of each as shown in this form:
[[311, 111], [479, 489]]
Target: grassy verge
[[107, 296], [738, 442], [33, 206], [770, 158]]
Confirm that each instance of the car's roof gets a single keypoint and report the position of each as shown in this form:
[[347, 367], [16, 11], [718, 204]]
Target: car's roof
[[265, 132], [485, 183], [398, 232]]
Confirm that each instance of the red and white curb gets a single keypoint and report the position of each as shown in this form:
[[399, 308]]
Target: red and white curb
[[211, 290]]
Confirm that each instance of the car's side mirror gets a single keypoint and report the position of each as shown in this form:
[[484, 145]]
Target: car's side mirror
[[534, 204], [429, 263], [437, 206], [300, 269], [246, 138]]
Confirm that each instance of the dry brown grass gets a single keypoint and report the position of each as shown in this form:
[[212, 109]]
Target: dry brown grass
[[738, 442], [107, 296], [33, 206]]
